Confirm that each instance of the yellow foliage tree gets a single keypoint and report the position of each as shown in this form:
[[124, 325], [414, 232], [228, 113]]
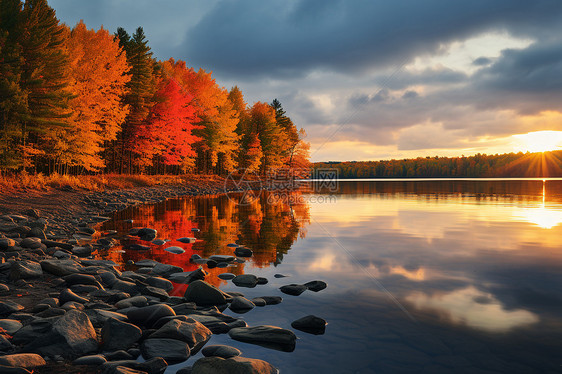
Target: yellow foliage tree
[[98, 71]]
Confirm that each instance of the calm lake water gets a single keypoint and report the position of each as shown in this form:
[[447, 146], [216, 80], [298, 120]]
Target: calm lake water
[[423, 276]]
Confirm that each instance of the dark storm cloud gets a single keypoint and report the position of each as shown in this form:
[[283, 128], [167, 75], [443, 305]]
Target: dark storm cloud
[[275, 39]]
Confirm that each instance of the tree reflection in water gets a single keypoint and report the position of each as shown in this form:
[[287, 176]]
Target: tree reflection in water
[[268, 227]]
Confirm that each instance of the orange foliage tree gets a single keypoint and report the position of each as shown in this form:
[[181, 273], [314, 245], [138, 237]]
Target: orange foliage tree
[[167, 135], [98, 70]]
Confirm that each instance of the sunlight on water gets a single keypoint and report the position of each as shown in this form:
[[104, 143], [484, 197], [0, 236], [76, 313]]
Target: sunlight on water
[[424, 276]]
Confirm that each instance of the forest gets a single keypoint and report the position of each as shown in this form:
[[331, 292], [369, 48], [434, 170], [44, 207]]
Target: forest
[[83, 101], [540, 164]]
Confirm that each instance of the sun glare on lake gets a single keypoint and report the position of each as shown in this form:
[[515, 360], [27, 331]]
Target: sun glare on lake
[[538, 141]]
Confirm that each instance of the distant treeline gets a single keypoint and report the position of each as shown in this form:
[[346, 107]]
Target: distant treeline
[[541, 164], [77, 100]]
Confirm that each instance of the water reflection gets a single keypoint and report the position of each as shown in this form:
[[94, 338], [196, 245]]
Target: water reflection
[[478, 265], [269, 229]]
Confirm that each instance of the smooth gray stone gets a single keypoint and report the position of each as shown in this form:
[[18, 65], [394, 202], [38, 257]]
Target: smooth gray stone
[[316, 285], [170, 350], [175, 250], [243, 252], [71, 335], [165, 270], [91, 360], [226, 276], [73, 279], [188, 277], [8, 307], [148, 315], [310, 324], [24, 360], [11, 326], [128, 287], [99, 316], [158, 242], [160, 283], [258, 301], [154, 366], [293, 289], [5, 345], [118, 355], [6, 243], [186, 240], [233, 365], [268, 336], [118, 335], [272, 300], [222, 258], [138, 301], [25, 270], [202, 293], [245, 280], [147, 262], [61, 267], [241, 304], [192, 332], [67, 295], [220, 350]]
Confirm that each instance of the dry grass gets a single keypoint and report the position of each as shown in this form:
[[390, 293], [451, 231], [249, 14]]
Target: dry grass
[[99, 182]]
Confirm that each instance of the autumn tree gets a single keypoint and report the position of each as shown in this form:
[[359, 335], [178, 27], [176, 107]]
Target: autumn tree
[[220, 143], [98, 68], [13, 102], [272, 138], [39, 79], [167, 135], [141, 88]]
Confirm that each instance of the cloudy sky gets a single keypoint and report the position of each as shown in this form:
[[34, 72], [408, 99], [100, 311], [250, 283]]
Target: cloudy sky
[[371, 79]]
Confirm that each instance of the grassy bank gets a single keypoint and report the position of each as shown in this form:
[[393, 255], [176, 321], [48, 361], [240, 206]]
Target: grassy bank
[[99, 182]]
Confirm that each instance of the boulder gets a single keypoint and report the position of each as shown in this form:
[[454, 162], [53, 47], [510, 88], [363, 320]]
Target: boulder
[[188, 277], [310, 324], [7, 244], [11, 326], [170, 350], [220, 350], [138, 301], [67, 295], [245, 280], [25, 270], [70, 336], [226, 276], [175, 250], [154, 366], [293, 289], [233, 365], [267, 336], [91, 360], [73, 279], [8, 307], [160, 283], [128, 287], [272, 300], [240, 304], [192, 332], [316, 285], [148, 315], [24, 360], [202, 293], [61, 267], [165, 270], [31, 243], [243, 252], [117, 335]]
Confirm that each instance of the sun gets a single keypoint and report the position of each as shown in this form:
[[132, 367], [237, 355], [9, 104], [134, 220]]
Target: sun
[[538, 141]]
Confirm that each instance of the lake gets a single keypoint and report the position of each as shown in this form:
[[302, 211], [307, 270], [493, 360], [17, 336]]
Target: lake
[[423, 276]]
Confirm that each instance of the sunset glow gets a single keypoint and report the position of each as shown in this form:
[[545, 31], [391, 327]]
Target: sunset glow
[[538, 141]]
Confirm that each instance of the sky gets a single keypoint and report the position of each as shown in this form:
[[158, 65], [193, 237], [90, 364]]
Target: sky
[[371, 79]]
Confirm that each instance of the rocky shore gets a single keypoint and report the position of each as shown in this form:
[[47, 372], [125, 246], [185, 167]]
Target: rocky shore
[[62, 311]]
